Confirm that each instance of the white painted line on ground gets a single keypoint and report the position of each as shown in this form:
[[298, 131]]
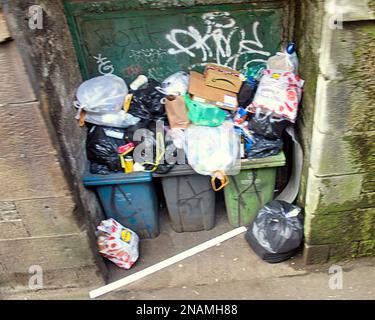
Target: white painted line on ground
[[166, 263]]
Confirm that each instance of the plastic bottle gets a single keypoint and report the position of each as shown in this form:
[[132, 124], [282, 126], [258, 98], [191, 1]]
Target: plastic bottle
[[287, 60], [290, 52]]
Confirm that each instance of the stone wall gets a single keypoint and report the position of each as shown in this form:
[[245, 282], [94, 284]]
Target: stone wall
[[40, 224], [339, 184], [52, 65]]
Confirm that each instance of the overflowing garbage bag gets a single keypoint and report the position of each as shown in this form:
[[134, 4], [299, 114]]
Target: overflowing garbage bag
[[117, 243], [276, 233], [100, 100], [279, 92], [102, 94], [148, 103], [213, 151], [262, 147], [268, 125], [102, 145]]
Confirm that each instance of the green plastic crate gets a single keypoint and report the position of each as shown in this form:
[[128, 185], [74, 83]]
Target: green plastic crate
[[251, 189], [204, 114]]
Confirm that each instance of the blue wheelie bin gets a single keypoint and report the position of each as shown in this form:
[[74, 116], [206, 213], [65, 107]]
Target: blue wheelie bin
[[129, 198]]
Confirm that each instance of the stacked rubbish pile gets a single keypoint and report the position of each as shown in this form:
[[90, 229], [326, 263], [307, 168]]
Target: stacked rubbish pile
[[211, 121]]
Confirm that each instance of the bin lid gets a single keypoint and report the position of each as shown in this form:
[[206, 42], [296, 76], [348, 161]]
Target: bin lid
[[267, 162], [90, 179], [177, 170]]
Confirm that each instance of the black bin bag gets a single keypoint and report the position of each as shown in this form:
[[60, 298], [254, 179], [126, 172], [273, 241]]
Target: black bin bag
[[276, 233], [101, 148], [148, 104], [268, 126]]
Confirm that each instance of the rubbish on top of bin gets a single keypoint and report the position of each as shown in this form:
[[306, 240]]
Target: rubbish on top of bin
[[117, 243], [140, 81], [276, 233], [204, 114], [100, 101], [268, 125], [224, 78], [286, 61], [262, 147], [102, 94], [102, 144], [148, 103], [201, 92], [279, 92], [175, 85], [213, 151], [177, 114], [123, 152]]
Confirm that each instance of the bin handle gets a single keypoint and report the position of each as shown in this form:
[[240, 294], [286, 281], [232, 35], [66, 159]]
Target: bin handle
[[224, 181]]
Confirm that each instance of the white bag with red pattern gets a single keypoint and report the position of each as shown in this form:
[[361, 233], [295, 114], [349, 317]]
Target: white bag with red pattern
[[117, 243], [279, 92]]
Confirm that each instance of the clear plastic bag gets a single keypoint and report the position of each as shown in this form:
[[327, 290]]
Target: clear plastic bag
[[102, 98], [176, 85], [117, 243], [213, 149], [101, 95]]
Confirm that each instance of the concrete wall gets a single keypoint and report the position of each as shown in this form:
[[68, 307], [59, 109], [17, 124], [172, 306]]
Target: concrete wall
[[40, 223], [338, 185]]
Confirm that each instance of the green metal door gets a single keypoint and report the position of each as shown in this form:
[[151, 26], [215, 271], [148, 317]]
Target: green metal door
[[158, 38]]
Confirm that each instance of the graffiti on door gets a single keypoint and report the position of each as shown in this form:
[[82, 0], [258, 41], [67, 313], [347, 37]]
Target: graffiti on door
[[217, 42], [158, 43]]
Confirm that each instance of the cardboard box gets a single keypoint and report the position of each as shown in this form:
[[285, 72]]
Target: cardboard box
[[223, 78], [199, 91]]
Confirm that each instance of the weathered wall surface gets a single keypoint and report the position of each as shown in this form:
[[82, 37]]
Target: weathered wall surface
[[339, 184], [51, 62], [38, 216]]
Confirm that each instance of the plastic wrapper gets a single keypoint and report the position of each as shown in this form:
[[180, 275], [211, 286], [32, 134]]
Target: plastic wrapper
[[277, 231], [175, 85], [280, 93], [262, 147], [119, 119], [211, 149], [148, 104], [101, 148], [267, 125], [117, 243]]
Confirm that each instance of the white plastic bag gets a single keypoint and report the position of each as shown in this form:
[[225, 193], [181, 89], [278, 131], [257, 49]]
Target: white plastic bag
[[102, 94], [102, 98], [117, 243], [279, 92], [213, 149], [176, 85]]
